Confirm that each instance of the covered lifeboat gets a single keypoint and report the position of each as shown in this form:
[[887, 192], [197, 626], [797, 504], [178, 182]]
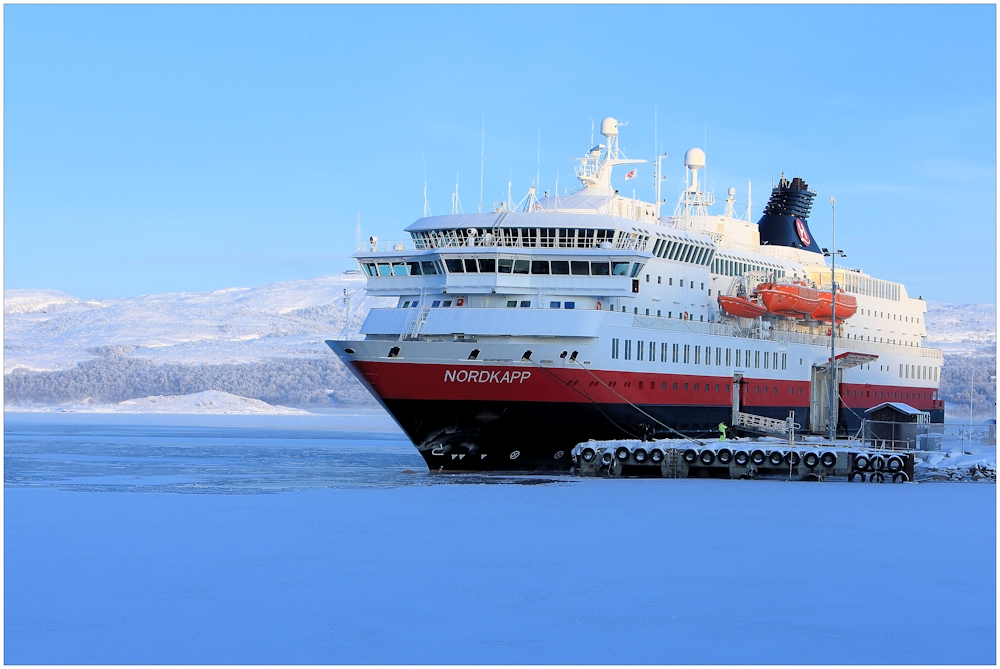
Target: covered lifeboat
[[847, 306], [795, 300]]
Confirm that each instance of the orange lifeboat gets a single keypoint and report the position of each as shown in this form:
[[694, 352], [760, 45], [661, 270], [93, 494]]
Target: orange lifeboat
[[794, 300], [847, 306], [742, 306]]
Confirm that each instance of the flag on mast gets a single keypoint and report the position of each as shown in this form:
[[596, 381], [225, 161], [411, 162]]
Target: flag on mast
[[630, 175]]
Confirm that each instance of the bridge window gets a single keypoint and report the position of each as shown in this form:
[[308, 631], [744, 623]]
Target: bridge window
[[398, 269], [521, 266], [428, 267], [414, 268], [539, 266], [560, 267], [488, 265], [580, 267], [600, 268], [384, 270], [505, 265], [620, 269], [455, 265], [470, 265]]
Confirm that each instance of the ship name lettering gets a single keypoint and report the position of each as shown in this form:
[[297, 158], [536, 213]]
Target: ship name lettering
[[485, 376]]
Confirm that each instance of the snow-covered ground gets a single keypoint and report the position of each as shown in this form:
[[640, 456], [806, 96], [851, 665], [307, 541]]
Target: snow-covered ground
[[207, 402], [48, 330], [961, 328]]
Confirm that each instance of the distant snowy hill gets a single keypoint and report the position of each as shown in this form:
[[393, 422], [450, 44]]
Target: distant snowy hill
[[266, 343], [206, 402]]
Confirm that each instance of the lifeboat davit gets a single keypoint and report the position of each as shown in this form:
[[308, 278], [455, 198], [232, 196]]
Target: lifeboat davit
[[743, 307], [795, 300], [847, 306]]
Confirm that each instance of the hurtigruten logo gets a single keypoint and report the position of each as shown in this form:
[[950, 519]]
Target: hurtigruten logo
[[484, 376]]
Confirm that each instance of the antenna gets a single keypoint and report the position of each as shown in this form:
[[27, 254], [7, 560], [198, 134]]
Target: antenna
[[538, 167], [749, 201], [482, 164], [427, 208], [456, 204], [591, 132], [357, 234], [509, 201]]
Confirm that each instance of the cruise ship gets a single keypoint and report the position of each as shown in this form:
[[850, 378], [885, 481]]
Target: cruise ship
[[522, 331]]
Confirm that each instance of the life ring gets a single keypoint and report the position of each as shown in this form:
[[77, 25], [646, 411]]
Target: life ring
[[829, 459], [622, 453], [460, 302], [895, 464], [776, 458], [900, 477], [792, 458], [856, 474], [811, 460], [598, 305], [707, 457], [690, 456], [741, 458], [685, 315], [588, 454], [639, 455], [725, 456], [656, 455], [758, 457]]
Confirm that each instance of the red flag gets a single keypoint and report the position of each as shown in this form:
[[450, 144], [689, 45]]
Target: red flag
[[629, 175]]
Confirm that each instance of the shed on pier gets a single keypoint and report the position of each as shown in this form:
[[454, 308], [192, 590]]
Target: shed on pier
[[894, 425]]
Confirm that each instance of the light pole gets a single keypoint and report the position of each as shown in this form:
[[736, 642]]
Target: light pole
[[834, 394]]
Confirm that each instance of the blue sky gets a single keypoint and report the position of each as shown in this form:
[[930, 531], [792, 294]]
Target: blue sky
[[175, 148]]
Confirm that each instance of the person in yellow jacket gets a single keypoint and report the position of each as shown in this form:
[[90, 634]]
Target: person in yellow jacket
[[722, 431]]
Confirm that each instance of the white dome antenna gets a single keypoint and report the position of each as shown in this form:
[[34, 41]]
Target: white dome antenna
[[694, 160], [609, 127]]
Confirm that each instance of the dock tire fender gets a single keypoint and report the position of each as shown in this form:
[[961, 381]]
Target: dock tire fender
[[725, 456], [640, 455], [792, 458], [707, 457], [829, 459], [861, 461], [588, 454], [741, 458], [900, 477], [656, 455], [607, 457], [690, 456], [877, 477], [856, 474], [895, 464], [811, 460], [622, 453], [878, 463], [758, 457], [776, 458]]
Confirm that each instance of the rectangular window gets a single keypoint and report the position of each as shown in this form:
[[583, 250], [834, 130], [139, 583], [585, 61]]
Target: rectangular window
[[600, 268], [454, 265], [554, 305], [746, 357], [436, 303], [900, 370], [676, 351], [718, 356], [696, 386], [488, 265], [521, 266], [620, 269], [729, 357], [560, 267], [614, 348], [774, 364], [470, 265], [570, 305], [628, 349], [675, 386], [697, 355], [708, 355], [539, 266], [639, 346], [505, 265], [384, 270], [663, 386], [447, 303], [784, 361], [652, 351], [511, 303], [687, 353], [765, 360], [756, 359], [414, 268], [739, 355], [580, 267], [525, 303]]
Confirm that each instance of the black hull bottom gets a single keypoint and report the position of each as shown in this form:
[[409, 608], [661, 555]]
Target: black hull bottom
[[538, 437]]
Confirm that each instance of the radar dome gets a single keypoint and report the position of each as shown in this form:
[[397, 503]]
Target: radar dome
[[732, 192], [694, 159], [609, 127]]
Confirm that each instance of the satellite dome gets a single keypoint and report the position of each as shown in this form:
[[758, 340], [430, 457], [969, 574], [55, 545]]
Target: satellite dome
[[694, 159], [732, 192], [609, 127]]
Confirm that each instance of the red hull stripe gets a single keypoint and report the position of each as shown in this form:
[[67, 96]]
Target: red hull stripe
[[535, 383], [863, 396]]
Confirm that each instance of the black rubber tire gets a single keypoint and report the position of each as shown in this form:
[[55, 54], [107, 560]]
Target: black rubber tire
[[829, 459], [741, 458], [861, 461], [640, 455], [854, 474], [752, 473], [878, 463], [792, 458], [622, 454], [707, 457], [656, 455], [607, 457], [811, 477], [776, 458], [900, 477], [895, 464], [811, 460], [588, 454], [690, 456], [877, 477], [725, 456], [758, 457]]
